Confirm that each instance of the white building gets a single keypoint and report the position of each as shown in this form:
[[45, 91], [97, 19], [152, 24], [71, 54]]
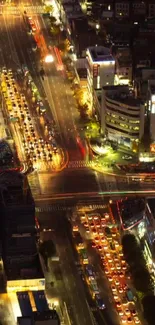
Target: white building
[[122, 115], [101, 67]]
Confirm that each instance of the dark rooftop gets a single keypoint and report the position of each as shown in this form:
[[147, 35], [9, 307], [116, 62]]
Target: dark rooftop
[[12, 186], [49, 316], [23, 267], [122, 94], [100, 53], [19, 245]]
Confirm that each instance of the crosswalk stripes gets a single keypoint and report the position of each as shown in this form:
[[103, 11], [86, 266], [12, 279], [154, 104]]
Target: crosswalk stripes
[[15, 10], [50, 208], [80, 164], [53, 208], [34, 184]]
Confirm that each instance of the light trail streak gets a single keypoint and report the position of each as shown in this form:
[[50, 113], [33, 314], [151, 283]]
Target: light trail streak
[[82, 195]]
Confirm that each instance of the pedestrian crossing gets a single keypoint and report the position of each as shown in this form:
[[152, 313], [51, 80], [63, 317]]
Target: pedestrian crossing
[[54, 207], [34, 184], [18, 10], [80, 164]]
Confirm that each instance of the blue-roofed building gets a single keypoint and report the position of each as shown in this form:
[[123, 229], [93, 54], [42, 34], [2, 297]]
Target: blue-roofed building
[[40, 301], [24, 303]]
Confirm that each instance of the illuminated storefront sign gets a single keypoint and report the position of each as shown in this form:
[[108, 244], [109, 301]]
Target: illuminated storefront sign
[[95, 70], [25, 285]]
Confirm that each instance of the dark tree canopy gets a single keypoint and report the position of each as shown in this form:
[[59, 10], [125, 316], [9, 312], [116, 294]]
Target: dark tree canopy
[[47, 248], [134, 257], [148, 303]]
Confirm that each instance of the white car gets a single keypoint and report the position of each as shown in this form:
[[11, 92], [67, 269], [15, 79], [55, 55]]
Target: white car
[[126, 157]]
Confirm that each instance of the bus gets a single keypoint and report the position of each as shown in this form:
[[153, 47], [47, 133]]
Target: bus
[[93, 286], [84, 256]]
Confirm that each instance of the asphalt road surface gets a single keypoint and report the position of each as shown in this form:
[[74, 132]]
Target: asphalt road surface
[[82, 181], [55, 88], [72, 291]]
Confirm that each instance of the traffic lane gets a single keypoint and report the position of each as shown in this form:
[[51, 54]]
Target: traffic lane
[[68, 104], [63, 108], [68, 182], [23, 45], [73, 282], [103, 284], [65, 234], [5, 45], [60, 291], [82, 180], [70, 134], [61, 104], [55, 285], [68, 140], [71, 278]]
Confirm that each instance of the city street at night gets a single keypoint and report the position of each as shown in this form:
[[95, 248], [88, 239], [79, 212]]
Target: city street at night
[[77, 129]]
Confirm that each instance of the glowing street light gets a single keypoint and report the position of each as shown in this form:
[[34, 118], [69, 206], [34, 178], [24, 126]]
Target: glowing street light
[[49, 58]]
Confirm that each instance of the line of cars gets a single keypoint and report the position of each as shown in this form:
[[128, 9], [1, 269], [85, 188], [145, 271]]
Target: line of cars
[[35, 147], [89, 272], [106, 240]]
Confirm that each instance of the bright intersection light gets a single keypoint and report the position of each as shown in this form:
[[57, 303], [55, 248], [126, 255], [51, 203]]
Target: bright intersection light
[[49, 58]]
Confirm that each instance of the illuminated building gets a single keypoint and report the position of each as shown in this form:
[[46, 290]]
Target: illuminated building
[[122, 115], [101, 66]]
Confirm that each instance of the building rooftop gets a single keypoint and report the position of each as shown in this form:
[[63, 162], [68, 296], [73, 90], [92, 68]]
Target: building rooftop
[[100, 54], [14, 189], [23, 267], [127, 100], [122, 94], [18, 245], [49, 317]]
